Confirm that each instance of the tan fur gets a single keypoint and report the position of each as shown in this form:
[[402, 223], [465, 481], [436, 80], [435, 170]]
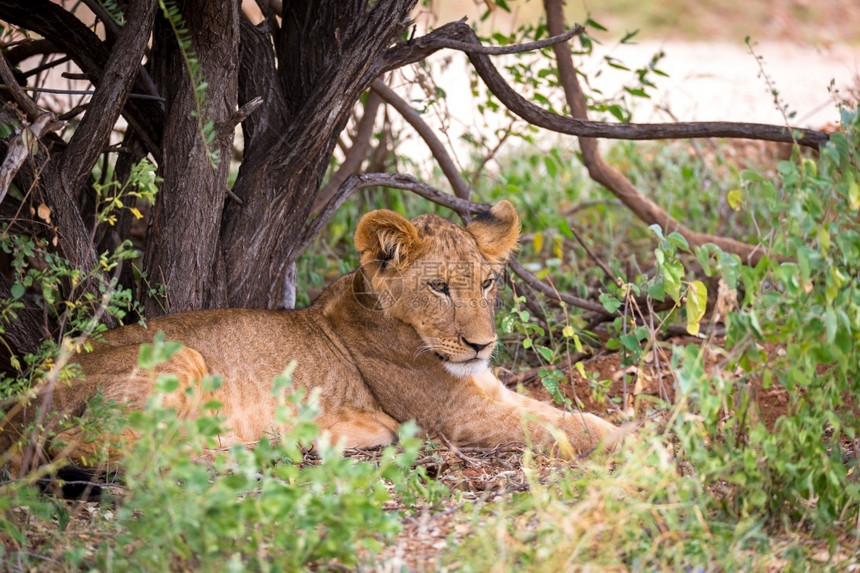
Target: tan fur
[[407, 337]]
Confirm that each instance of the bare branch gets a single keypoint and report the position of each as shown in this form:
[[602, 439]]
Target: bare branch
[[471, 48], [157, 98], [458, 184], [114, 86], [23, 100], [47, 65], [642, 206], [226, 128], [462, 207], [603, 266], [107, 20], [29, 48], [418, 49], [551, 292], [19, 149], [355, 155]]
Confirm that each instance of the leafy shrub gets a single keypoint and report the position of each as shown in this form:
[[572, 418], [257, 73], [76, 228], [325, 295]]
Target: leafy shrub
[[802, 301], [190, 503]]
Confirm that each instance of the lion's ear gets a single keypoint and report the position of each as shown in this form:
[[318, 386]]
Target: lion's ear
[[496, 232], [387, 237]]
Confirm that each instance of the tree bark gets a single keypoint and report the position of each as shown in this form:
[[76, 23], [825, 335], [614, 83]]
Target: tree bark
[[183, 233], [328, 55]]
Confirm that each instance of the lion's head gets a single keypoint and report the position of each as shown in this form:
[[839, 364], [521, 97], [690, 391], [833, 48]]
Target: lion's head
[[439, 278]]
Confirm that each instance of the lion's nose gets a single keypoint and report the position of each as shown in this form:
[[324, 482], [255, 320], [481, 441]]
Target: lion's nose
[[477, 346]]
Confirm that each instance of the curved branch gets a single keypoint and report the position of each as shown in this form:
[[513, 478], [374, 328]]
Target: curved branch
[[28, 49], [11, 85], [552, 292], [642, 206], [112, 91], [354, 155], [458, 184], [409, 52], [471, 48], [462, 207]]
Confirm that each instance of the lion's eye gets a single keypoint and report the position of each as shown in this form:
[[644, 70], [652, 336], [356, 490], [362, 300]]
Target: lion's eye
[[438, 285], [488, 283]]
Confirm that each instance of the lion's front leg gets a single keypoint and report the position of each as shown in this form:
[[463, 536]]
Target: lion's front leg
[[495, 415]]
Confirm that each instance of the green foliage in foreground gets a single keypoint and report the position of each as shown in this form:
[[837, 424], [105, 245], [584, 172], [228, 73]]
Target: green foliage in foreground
[[191, 504]]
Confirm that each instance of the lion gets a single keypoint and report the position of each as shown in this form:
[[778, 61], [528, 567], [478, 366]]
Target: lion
[[406, 337]]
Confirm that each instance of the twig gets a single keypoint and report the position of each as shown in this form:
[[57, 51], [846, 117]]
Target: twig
[[47, 66], [103, 15], [49, 380], [471, 48], [226, 128], [19, 148], [458, 184], [23, 101], [77, 110], [506, 448], [551, 292], [603, 266], [572, 210], [91, 92], [493, 152], [456, 451], [396, 181], [516, 48], [353, 155], [76, 76]]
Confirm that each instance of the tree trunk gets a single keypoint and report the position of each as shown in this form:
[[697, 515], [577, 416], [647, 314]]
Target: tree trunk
[[183, 234], [328, 54]]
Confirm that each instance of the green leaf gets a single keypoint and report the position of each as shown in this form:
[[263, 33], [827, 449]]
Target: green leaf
[[697, 302], [546, 353], [678, 241], [657, 291], [594, 24], [609, 302], [17, 290], [672, 273], [830, 325], [630, 342], [577, 343]]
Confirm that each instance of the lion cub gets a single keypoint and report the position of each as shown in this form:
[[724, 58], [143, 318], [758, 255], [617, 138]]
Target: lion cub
[[408, 336]]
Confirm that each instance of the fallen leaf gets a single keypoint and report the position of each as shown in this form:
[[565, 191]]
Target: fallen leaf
[[44, 213]]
